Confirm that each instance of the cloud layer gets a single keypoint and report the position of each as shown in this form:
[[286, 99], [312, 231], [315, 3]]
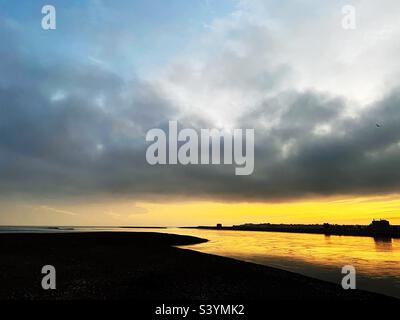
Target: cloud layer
[[78, 129]]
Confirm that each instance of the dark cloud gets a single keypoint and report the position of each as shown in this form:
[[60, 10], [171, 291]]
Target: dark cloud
[[79, 129], [353, 157]]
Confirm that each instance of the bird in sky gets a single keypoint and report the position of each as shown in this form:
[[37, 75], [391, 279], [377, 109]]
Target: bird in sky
[[378, 125]]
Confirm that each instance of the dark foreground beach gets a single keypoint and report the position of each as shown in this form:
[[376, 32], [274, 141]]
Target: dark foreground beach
[[146, 266]]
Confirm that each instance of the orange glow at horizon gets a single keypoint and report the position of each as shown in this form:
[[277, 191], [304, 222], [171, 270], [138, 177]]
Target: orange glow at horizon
[[109, 212], [342, 211]]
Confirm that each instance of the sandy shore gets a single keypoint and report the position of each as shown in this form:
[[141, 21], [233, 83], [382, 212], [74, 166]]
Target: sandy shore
[[146, 266]]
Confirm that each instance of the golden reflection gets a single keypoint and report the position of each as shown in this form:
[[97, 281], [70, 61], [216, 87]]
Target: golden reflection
[[377, 261], [370, 256]]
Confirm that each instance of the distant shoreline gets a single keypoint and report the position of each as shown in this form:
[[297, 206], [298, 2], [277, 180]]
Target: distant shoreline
[[372, 230]]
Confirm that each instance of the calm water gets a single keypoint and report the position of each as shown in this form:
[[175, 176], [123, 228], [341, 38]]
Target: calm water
[[377, 261]]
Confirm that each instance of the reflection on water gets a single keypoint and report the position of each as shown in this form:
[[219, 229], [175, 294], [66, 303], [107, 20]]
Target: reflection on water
[[383, 244], [377, 261]]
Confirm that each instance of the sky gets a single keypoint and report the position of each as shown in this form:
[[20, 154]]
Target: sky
[[76, 103]]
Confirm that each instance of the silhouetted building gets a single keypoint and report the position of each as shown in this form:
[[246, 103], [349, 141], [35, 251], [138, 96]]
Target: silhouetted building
[[380, 226]]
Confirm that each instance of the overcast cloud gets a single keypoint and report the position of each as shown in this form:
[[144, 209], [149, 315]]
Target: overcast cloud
[[312, 92]]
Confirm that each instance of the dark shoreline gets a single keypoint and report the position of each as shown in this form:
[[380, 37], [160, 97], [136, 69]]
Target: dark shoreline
[[328, 230], [147, 266]]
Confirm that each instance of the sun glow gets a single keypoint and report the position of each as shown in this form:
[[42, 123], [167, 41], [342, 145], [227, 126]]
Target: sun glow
[[360, 210]]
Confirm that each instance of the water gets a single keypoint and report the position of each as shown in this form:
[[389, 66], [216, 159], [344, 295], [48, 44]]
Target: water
[[377, 262]]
